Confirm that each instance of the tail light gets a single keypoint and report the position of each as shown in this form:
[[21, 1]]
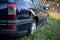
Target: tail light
[[12, 27], [11, 14], [11, 11]]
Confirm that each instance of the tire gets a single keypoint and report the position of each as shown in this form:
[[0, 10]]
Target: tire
[[32, 28]]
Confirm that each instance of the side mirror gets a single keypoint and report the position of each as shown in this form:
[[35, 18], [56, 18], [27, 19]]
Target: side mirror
[[45, 8]]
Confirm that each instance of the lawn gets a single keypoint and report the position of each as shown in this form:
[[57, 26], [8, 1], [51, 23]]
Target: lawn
[[55, 15], [49, 31]]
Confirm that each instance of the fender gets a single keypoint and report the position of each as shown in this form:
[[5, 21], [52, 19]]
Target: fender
[[33, 12]]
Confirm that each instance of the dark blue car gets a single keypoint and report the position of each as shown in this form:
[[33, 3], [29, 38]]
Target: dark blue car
[[20, 17]]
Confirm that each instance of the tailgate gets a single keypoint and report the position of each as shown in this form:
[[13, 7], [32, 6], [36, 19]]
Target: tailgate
[[3, 14], [3, 11]]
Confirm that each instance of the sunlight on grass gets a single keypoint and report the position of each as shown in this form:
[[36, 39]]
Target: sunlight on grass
[[55, 15]]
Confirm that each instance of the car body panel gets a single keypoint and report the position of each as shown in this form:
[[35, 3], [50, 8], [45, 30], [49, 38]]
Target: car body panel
[[23, 16]]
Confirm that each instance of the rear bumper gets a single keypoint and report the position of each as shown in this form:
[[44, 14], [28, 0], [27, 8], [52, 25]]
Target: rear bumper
[[15, 22], [12, 33]]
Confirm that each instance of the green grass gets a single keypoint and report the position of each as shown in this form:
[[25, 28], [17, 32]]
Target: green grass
[[49, 31]]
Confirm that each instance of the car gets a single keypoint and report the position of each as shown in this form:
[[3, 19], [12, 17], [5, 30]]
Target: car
[[20, 17]]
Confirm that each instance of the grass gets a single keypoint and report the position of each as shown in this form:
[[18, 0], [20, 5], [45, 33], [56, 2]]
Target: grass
[[55, 15], [49, 31]]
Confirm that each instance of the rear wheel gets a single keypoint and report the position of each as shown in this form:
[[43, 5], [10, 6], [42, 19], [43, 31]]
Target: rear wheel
[[32, 28]]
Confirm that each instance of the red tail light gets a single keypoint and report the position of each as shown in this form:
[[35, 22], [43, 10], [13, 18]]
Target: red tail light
[[12, 26], [11, 17], [11, 11], [11, 14], [11, 5]]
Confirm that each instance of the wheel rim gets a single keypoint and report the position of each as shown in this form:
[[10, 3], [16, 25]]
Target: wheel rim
[[33, 28]]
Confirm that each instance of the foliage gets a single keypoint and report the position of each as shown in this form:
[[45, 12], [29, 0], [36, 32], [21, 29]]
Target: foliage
[[55, 15], [57, 1]]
